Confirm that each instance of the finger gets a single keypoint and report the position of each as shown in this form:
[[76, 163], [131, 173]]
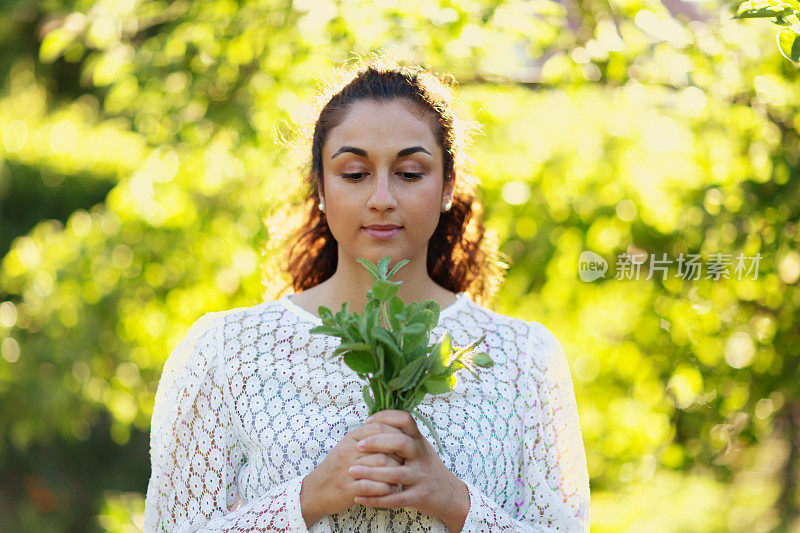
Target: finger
[[372, 428], [379, 459], [397, 443], [398, 418], [404, 498], [393, 475], [370, 487]]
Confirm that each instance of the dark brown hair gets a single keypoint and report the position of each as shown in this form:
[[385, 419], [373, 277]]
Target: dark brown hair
[[461, 255]]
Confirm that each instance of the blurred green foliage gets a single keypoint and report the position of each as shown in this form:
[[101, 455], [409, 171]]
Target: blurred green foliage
[[140, 154]]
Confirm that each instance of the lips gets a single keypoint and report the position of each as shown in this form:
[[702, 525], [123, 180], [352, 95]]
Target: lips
[[376, 232], [383, 227]]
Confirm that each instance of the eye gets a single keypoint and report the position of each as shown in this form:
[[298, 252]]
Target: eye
[[409, 176], [412, 176]]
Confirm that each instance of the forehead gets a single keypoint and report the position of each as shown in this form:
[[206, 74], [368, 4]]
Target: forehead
[[393, 125]]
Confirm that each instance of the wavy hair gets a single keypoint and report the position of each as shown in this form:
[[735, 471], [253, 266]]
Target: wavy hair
[[462, 255]]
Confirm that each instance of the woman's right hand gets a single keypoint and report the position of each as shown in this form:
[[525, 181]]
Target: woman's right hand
[[330, 488]]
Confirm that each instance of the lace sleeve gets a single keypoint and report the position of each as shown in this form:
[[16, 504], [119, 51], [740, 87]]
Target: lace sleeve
[[553, 486], [195, 452]]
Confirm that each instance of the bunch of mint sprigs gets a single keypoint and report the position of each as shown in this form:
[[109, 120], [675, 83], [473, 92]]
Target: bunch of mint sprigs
[[399, 365]]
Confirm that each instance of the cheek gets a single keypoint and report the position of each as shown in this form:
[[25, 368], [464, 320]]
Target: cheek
[[336, 213], [429, 203], [423, 214], [340, 219]]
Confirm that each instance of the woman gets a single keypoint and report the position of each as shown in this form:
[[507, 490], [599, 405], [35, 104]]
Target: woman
[[255, 428]]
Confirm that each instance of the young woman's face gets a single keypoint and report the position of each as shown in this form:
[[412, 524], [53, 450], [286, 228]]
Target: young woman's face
[[382, 166]]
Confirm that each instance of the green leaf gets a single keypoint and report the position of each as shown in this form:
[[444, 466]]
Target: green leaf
[[415, 400], [344, 313], [388, 340], [441, 353], [374, 385], [466, 349], [412, 342], [789, 44], [437, 385], [420, 315], [345, 347], [383, 264], [762, 9], [396, 305], [454, 367], [371, 324], [373, 270], [325, 330], [396, 268], [415, 353], [384, 290], [413, 329], [324, 313], [471, 369], [438, 363], [445, 343], [434, 307], [409, 375], [373, 307], [380, 356], [481, 359], [368, 399], [427, 317], [361, 361], [396, 320], [352, 330], [362, 326]]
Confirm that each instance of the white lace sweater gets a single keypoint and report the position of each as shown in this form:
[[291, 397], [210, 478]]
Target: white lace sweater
[[249, 403]]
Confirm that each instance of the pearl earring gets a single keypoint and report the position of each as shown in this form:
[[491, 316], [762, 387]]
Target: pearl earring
[[321, 206], [448, 205]]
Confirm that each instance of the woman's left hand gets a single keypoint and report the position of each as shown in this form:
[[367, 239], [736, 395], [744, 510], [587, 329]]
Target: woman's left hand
[[428, 485]]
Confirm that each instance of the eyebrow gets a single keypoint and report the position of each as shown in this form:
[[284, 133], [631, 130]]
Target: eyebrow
[[363, 153]]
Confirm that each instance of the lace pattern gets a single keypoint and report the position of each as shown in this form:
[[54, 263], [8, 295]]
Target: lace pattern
[[249, 403]]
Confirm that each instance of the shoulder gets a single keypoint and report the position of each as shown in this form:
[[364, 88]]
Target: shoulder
[[205, 333], [542, 338], [535, 346], [507, 336], [535, 333], [492, 320], [239, 314], [546, 354]]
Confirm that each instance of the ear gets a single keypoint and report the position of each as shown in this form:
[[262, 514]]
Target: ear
[[319, 190], [447, 192]]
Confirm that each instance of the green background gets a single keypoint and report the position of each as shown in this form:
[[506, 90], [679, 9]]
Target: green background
[[142, 171]]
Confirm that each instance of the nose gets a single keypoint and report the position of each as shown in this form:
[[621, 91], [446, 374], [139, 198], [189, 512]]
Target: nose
[[382, 196]]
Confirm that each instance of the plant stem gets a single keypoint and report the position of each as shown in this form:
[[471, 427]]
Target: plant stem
[[416, 389], [385, 314]]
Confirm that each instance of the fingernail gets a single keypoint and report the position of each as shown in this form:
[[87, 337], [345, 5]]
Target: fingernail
[[370, 418], [361, 444]]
